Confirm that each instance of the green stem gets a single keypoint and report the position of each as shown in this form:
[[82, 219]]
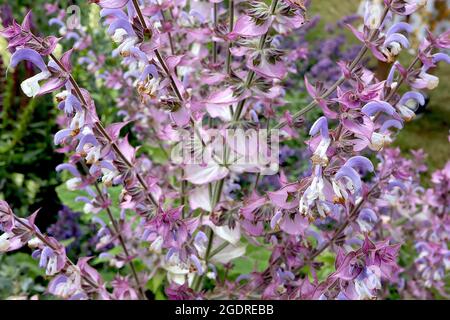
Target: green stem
[[219, 249], [216, 22], [183, 191], [169, 34], [230, 28]]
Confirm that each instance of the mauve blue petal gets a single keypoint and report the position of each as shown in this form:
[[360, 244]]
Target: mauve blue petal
[[243, 277], [82, 199], [121, 24], [275, 219], [103, 232], [441, 57], [108, 165], [61, 105], [213, 268], [196, 14], [170, 253], [351, 174], [400, 26], [86, 60], [58, 280], [130, 10], [368, 215], [200, 238], [318, 171], [72, 35], [52, 85], [78, 296], [56, 21], [321, 125], [360, 162], [36, 254], [112, 4], [286, 275], [396, 183], [131, 73], [390, 77], [91, 192], [397, 37], [197, 263], [342, 296], [113, 12], [254, 116], [377, 106], [60, 135], [99, 221], [71, 103], [149, 70], [28, 55], [93, 170], [69, 167], [391, 123], [146, 234], [88, 138], [46, 253], [412, 95], [138, 52], [52, 64]]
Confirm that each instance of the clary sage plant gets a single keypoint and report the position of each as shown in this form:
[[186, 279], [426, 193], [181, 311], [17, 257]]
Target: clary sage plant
[[204, 82]]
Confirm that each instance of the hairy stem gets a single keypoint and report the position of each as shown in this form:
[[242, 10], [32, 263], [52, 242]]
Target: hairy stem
[[104, 133], [41, 237], [216, 22], [251, 73], [230, 28], [158, 55], [169, 35], [184, 202], [118, 234]]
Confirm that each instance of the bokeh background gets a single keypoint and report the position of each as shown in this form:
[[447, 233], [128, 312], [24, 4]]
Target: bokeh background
[[28, 157]]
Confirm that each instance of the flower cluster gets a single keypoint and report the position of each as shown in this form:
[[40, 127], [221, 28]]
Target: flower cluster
[[206, 68]]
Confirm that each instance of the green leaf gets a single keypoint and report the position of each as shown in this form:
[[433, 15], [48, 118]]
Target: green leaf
[[156, 281], [68, 197], [160, 295], [327, 258], [24, 261], [67, 242], [157, 155], [114, 252], [255, 259]]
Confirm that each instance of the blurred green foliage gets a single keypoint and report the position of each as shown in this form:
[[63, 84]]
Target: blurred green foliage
[[27, 159], [18, 275]]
